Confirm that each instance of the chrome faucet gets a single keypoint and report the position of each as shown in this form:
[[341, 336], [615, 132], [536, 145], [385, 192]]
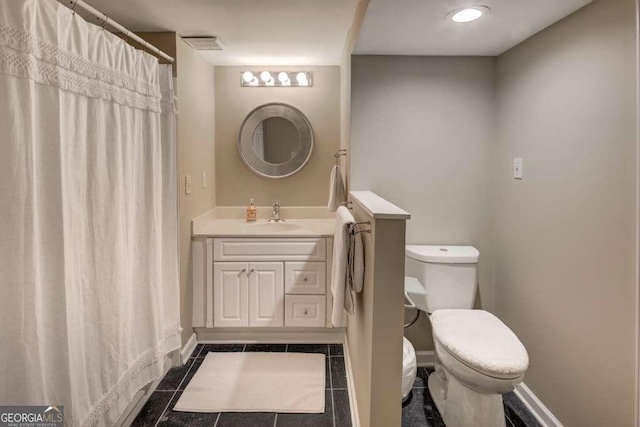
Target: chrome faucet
[[275, 213]]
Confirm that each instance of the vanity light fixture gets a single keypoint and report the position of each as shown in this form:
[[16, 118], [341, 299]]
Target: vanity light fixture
[[468, 14], [247, 77], [284, 79], [276, 78], [266, 76], [302, 80]]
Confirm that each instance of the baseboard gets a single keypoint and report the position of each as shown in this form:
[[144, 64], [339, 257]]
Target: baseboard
[[353, 403], [187, 349], [272, 335], [536, 407], [425, 358]]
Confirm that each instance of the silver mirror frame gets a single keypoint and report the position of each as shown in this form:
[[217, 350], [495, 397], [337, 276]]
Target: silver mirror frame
[[245, 140]]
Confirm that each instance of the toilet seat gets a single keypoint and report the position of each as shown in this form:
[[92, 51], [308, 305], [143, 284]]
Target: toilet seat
[[479, 340]]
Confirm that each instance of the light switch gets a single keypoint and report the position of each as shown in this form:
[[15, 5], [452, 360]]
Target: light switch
[[203, 180], [517, 168], [187, 184]]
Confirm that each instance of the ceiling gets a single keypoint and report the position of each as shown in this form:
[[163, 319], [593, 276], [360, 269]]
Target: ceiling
[[419, 27], [253, 32]]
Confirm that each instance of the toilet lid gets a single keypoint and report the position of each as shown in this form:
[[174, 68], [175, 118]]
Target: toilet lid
[[481, 341]]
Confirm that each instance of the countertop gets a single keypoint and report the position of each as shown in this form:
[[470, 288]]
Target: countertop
[[239, 228], [300, 221]]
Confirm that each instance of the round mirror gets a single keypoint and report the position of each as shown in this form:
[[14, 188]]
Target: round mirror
[[275, 140]]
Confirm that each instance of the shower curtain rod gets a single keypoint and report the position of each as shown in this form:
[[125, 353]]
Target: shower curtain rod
[[103, 20]]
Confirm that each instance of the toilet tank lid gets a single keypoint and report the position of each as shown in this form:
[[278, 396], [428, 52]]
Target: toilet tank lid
[[443, 254]]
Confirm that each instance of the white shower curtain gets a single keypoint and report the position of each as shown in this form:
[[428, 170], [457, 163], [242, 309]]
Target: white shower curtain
[[88, 247]]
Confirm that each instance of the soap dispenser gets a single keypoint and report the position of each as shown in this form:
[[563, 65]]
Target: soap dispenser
[[252, 212]]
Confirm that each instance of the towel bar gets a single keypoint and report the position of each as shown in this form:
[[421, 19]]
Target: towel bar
[[354, 230], [361, 223], [361, 231], [341, 152], [348, 205]]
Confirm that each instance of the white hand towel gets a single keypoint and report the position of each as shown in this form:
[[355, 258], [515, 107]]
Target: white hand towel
[[347, 276], [337, 192], [341, 241]]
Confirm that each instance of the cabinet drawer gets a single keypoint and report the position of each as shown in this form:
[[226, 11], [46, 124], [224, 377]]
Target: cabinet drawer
[[240, 249], [305, 278], [304, 310]]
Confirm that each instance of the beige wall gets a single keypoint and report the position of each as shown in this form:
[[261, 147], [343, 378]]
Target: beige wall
[[565, 234], [345, 89], [165, 41], [374, 332], [423, 136], [320, 103], [195, 90]]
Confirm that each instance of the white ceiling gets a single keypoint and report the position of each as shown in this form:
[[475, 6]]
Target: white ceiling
[[418, 27], [253, 32]]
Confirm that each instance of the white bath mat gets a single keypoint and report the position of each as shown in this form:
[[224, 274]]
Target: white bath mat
[[257, 382]]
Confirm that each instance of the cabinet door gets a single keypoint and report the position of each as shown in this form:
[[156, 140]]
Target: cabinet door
[[230, 294], [266, 294]]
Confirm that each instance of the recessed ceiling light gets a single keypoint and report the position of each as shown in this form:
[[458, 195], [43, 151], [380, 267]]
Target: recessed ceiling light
[[468, 14]]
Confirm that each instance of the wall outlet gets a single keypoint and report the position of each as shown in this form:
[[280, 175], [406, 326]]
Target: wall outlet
[[517, 168], [187, 184], [203, 180]]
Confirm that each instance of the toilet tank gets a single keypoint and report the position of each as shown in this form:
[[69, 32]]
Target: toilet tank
[[448, 274]]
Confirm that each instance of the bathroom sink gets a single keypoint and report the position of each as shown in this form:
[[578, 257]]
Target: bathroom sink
[[273, 226]]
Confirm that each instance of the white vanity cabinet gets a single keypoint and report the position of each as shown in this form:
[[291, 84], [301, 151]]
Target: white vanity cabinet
[[262, 282]]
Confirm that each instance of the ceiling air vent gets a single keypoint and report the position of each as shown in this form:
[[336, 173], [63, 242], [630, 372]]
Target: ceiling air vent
[[203, 43]]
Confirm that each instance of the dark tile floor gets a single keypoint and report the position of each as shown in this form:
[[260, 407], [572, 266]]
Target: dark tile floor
[[420, 410], [158, 411]]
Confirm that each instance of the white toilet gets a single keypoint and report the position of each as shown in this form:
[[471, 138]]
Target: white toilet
[[478, 358]]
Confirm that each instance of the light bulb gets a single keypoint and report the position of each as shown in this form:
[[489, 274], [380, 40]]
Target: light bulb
[[254, 82], [283, 77], [265, 76], [467, 15], [302, 79], [247, 76]]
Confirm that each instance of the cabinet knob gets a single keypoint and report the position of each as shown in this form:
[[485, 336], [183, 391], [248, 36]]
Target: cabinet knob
[[306, 312], [244, 270], [252, 270], [305, 279]]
